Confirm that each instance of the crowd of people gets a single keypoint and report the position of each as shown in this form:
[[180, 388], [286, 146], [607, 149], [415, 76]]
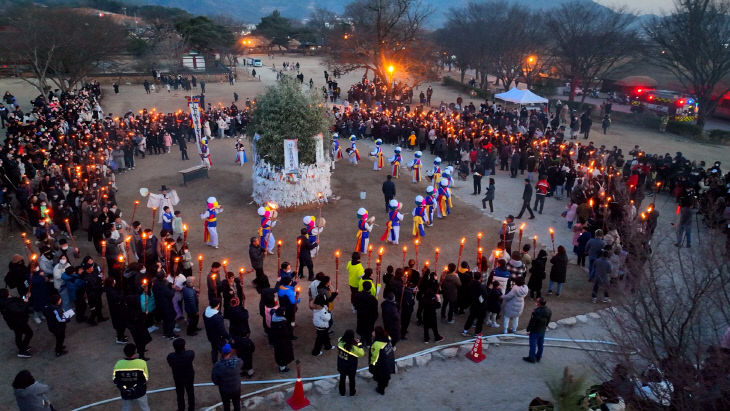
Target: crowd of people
[[59, 162]]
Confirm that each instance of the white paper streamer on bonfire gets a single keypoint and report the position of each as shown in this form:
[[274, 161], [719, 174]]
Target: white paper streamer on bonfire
[[290, 190]]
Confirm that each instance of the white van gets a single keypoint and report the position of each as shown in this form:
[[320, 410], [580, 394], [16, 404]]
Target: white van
[[258, 63]]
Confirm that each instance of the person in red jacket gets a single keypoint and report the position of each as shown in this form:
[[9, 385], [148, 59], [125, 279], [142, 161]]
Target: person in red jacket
[[541, 189]]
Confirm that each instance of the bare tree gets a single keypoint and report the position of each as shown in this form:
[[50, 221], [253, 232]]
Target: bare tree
[[384, 34], [670, 318], [60, 45], [587, 40], [692, 43]]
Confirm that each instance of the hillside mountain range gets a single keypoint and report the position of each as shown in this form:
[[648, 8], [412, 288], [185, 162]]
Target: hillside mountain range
[[250, 11]]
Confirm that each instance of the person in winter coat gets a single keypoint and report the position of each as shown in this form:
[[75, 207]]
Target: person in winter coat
[[289, 298], [516, 269], [305, 255], [231, 288], [349, 350], [489, 197], [382, 359], [226, 374], [537, 274], [115, 301], [594, 249], [215, 329], [183, 373], [355, 271], [367, 313], [430, 304], [30, 394], [190, 305], [494, 303], [407, 305], [39, 292], [602, 279], [581, 242], [536, 328], [282, 336], [15, 311], [558, 271], [18, 275], [57, 323], [257, 253], [238, 319], [570, 213], [321, 319], [163, 294], [514, 303], [391, 318], [477, 298], [244, 350], [131, 377], [462, 298], [450, 290], [135, 318]]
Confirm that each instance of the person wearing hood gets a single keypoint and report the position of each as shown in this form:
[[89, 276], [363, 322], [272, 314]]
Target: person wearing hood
[[215, 328], [321, 318], [18, 275], [516, 269], [514, 303], [30, 394], [226, 375]]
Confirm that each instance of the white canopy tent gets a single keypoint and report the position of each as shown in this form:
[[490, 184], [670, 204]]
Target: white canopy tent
[[518, 96]]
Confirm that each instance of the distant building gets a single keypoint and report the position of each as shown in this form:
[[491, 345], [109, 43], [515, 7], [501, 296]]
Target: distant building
[[193, 60]]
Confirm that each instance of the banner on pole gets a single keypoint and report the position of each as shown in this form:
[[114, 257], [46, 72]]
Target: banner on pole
[[291, 156], [194, 106]]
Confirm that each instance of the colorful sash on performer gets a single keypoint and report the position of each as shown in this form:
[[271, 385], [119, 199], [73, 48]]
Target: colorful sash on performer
[[357, 154], [444, 203], [417, 172], [396, 168], [362, 235], [388, 229], [418, 230], [380, 158], [209, 222], [436, 179]]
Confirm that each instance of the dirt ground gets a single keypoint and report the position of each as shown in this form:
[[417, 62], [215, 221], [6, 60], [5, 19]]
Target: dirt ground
[[83, 376]]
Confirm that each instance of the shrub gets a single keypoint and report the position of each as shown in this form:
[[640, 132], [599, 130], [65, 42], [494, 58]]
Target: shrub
[[719, 136], [684, 129]]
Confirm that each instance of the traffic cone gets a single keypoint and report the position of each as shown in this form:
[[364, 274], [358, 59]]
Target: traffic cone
[[298, 400], [475, 354]]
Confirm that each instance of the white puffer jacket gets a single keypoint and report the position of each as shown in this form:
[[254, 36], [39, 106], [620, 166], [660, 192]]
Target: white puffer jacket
[[321, 317]]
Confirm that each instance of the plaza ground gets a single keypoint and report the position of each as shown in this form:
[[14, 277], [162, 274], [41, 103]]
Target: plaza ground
[[84, 375]]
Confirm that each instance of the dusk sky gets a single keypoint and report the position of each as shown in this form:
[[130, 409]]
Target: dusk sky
[[642, 6]]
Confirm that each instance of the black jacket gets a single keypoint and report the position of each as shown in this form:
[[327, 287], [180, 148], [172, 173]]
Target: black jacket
[[163, 294], [215, 328], [367, 312], [256, 254], [389, 189], [182, 365], [539, 320], [305, 249], [15, 311], [391, 320], [238, 317], [527, 194]]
